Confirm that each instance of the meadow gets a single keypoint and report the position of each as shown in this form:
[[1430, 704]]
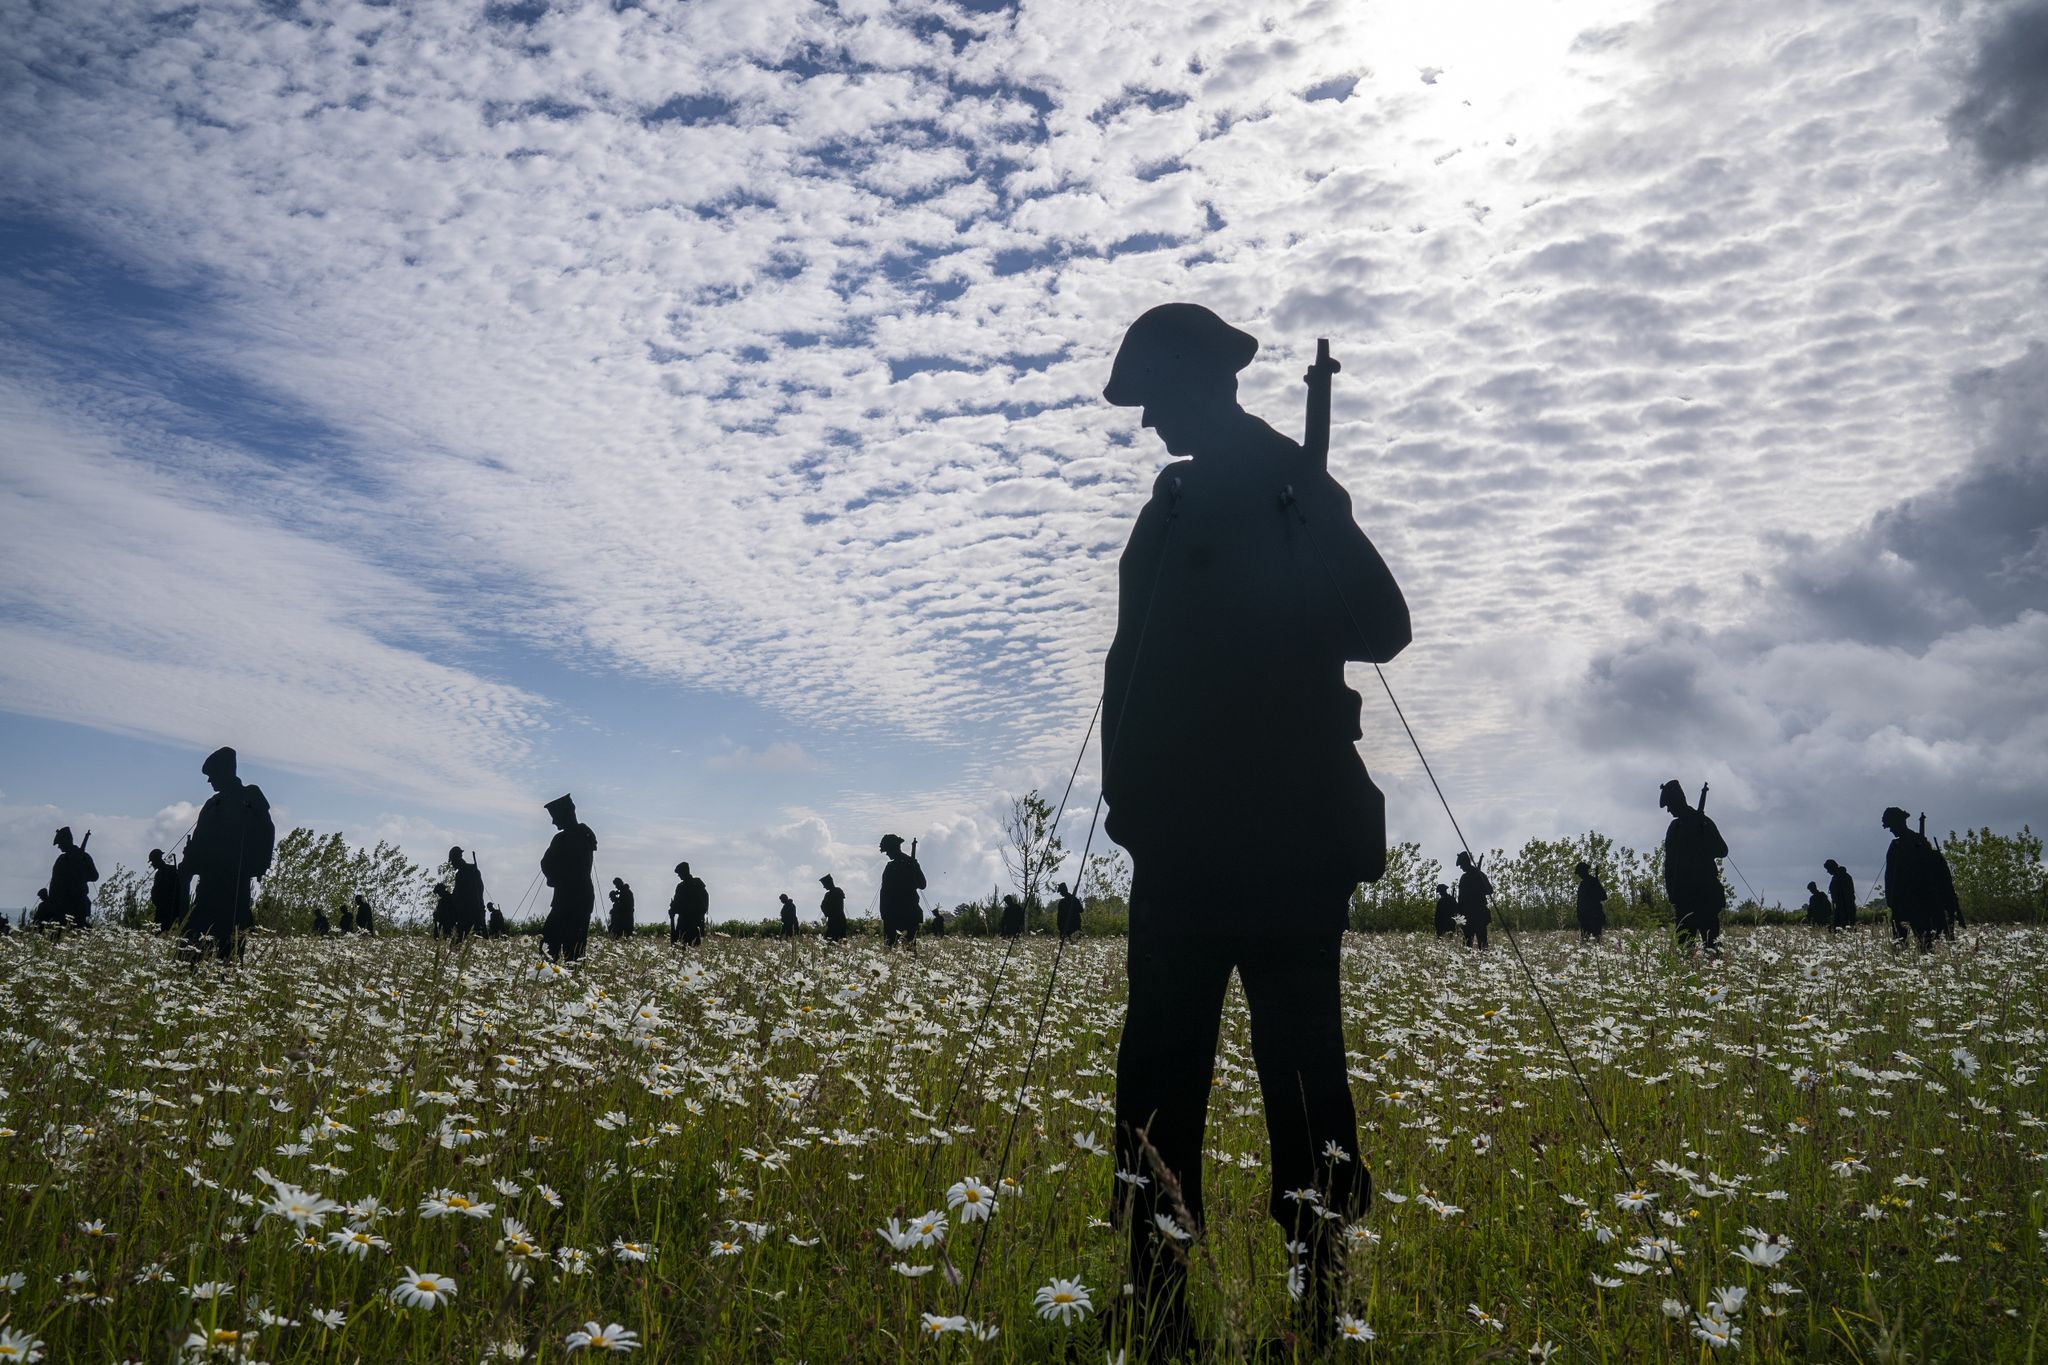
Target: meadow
[[387, 1149]]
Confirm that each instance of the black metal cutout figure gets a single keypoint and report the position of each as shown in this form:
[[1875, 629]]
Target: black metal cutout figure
[[1011, 924], [1693, 848], [1842, 893], [1917, 883], [1068, 913], [1475, 900], [71, 878], [833, 908], [1820, 911], [787, 912], [902, 879], [231, 845], [166, 892], [1592, 904], [689, 907], [1245, 588], [621, 897], [469, 896], [1446, 920], [566, 866]]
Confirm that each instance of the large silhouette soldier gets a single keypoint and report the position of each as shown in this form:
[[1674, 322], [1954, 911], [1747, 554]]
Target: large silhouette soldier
[[470, 915], [166, 891], [621, 897], [902, 879], [833, 908], [1446, 919], [1227, 724], [1917, 883], [1693, 848], [71, 879], [1841, 891], [1592, 903], [566, 866], [688, 907], [230, 846], [1069, 913], [1475, 900]]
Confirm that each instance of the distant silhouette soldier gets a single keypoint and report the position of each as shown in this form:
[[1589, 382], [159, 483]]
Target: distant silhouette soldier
[[1693, 848], [1820, 912], [1446, 911], [689, 907], [833, 908], [1916, 882], [788, 914], [1011, 924], [366, 918], [902, 879], [231, 845], [348, 919], [1475, 900], [321, 925], [1226, 723], [935, 927], [1591, 904], [566, 866], [621, 896], [1842, 892], [444, 910], [166, 892], [494, 921], [1068, 913], [71, 879], [469, 896]]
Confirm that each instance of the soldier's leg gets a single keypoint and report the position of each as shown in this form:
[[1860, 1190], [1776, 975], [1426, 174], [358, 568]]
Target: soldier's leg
[[1297, 1019], [1164, 1069]]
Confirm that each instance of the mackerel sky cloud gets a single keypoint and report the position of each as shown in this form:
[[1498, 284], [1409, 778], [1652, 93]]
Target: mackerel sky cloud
[[697, 407]]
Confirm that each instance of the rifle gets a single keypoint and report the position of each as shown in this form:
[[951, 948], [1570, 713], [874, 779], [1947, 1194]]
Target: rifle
[[1316, 439], [88, 834], [1702, 806]]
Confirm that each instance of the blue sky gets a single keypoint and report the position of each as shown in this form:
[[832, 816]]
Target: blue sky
[[697, 408]]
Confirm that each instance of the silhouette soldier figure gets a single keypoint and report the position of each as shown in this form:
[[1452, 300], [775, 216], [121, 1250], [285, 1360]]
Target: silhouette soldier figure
[[935, 927], [1842, 893], [230, 846], [444, 910], [1244, 589], [494, 921], [166, 892], [566, 866], [1012, 923], [1475, 900], [833, 908], [788, 914], [1592, 904], [621, 896], [366, 918], [1069, 913], [1693, 848], [1917, 883], [348, 919], [689, 907], [1446, 911], [321, 926], [469, 895], [902, 879], [1820, 911], [71, 879]]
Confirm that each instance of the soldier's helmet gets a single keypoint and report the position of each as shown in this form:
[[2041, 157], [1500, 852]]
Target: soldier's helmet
[[1174, 347], [62, 836], [1671, 795], [455, 854], [826, 881], [219, 763], [1894, 818], [682, 869], [1813, 887], [1584, 869], [891, 842], [156, 857], [563, 805]]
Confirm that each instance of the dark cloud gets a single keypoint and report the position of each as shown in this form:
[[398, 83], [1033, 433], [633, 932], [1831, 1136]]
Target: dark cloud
[[2003, 114]]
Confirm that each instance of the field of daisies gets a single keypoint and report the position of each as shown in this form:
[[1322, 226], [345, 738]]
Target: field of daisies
[[388, 1150]]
